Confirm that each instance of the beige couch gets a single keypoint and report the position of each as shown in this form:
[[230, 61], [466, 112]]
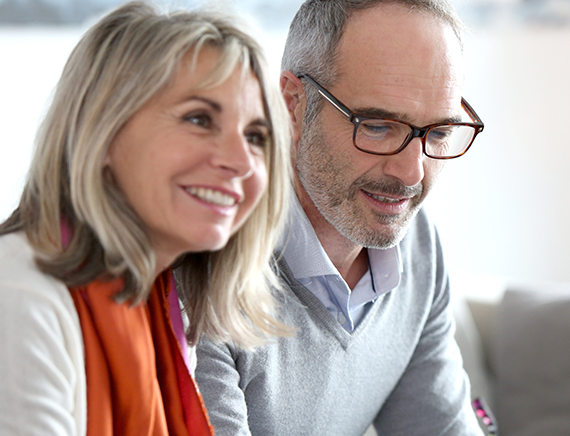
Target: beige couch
[[515, 343]]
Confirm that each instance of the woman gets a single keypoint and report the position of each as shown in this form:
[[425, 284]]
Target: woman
[[164, 142]]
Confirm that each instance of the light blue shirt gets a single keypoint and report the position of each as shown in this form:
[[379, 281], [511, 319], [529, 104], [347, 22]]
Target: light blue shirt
[[312, 267]]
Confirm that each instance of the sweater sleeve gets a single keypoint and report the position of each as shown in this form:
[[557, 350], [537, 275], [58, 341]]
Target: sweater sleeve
[[432, 398], [41, 360], [219, 381], [37, 394]]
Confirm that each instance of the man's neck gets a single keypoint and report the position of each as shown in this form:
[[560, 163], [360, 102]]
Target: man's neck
[[350, 259]]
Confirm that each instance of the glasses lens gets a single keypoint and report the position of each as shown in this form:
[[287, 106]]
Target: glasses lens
[[449, 141], [380, 136]]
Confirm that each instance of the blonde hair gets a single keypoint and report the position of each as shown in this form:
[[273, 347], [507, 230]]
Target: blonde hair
[[128, 57]]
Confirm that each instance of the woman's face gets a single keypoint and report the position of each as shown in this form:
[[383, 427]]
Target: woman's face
[[192, 163]]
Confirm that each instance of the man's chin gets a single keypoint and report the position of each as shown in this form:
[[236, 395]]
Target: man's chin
[[384, 242], [381, 239], [389, 233]]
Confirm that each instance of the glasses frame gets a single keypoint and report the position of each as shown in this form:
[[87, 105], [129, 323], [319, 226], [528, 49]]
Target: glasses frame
[[416, 132]]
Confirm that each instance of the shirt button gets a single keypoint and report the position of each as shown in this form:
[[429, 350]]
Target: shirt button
[[341, 318]]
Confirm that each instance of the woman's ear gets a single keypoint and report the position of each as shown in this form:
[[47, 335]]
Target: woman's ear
[[107, 156], [294, 96], [106, 159]]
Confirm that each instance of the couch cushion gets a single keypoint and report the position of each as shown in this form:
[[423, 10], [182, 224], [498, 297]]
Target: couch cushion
[[472, 351], [531, 357]]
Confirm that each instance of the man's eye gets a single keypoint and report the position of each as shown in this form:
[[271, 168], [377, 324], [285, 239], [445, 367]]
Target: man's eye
[[376, 130], [199, 119], [441, 134]]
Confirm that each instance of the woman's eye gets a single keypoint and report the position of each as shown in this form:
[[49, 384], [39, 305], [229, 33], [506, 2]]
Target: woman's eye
[[199, 119], [258, 139]]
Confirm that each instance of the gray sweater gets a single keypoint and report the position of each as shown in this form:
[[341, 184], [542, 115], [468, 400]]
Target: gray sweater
[[400, 369]]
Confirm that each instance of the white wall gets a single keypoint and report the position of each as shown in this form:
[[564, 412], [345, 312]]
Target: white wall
[[502, 209], [31, 61]]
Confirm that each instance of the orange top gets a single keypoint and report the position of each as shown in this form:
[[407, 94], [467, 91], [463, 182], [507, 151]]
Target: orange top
[[137, 381]]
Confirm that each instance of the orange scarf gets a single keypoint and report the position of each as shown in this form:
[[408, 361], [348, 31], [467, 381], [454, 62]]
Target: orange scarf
[[137, 381]]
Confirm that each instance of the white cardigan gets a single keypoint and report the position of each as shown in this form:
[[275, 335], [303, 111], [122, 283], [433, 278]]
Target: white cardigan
[[42, 368]]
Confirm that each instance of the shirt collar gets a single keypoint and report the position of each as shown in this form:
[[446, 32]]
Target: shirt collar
[[385, 268], [301, 247], [307, 258]]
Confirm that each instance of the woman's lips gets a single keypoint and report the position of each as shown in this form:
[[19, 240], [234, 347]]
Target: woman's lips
[[213, 196]]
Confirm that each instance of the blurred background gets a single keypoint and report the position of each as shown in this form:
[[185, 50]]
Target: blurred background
[[502, 210]]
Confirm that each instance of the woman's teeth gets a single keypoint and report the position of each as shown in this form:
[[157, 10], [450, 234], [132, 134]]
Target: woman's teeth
[[211, 196]]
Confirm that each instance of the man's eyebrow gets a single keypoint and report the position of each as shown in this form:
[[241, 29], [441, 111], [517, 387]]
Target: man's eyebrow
[[385, 114]]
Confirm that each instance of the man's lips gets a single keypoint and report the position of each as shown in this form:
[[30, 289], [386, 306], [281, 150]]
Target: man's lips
[[386, 199]]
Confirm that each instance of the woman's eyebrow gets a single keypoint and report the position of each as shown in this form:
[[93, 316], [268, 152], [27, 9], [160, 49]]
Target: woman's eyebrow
[[214, 104], [262, 122]]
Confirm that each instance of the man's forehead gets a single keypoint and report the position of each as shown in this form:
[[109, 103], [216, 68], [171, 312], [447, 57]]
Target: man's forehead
[[408, 63], [388, 17], [393, 32]]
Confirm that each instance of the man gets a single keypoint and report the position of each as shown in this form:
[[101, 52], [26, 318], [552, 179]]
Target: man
[[367, 288]]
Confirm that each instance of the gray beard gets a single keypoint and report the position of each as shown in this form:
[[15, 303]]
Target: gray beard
[[336, 202]]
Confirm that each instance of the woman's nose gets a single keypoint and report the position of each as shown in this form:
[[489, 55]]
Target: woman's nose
[[235, 155]]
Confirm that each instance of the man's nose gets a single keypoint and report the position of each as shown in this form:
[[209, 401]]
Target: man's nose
[[408, 165]]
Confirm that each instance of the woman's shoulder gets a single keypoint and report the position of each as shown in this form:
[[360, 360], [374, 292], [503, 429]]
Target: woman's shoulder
[[39, 330], [14, 247], [21, 281], [15, 252]]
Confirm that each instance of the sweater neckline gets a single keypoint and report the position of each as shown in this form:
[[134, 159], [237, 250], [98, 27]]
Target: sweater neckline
[[317, 308]]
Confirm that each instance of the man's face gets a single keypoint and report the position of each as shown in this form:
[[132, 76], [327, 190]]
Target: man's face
[[396, 64]]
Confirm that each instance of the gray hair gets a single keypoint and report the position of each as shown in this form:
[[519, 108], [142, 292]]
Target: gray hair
[[317, 29], [125, 59]]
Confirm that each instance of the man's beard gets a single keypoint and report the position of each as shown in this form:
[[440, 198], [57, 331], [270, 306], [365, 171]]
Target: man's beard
[[320, 174]]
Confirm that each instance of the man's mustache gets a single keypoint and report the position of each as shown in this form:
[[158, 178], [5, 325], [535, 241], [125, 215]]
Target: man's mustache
[[389, 187]]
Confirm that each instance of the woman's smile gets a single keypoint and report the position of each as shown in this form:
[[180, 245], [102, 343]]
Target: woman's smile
[[205, 145]]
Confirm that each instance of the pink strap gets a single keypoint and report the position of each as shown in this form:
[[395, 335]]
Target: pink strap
[[176, 320], [65, 232]]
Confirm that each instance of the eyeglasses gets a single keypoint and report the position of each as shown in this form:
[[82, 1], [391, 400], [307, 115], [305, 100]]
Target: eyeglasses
[[386, 137]]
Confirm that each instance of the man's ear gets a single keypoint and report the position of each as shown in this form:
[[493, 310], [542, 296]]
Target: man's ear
[[294, 96]]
